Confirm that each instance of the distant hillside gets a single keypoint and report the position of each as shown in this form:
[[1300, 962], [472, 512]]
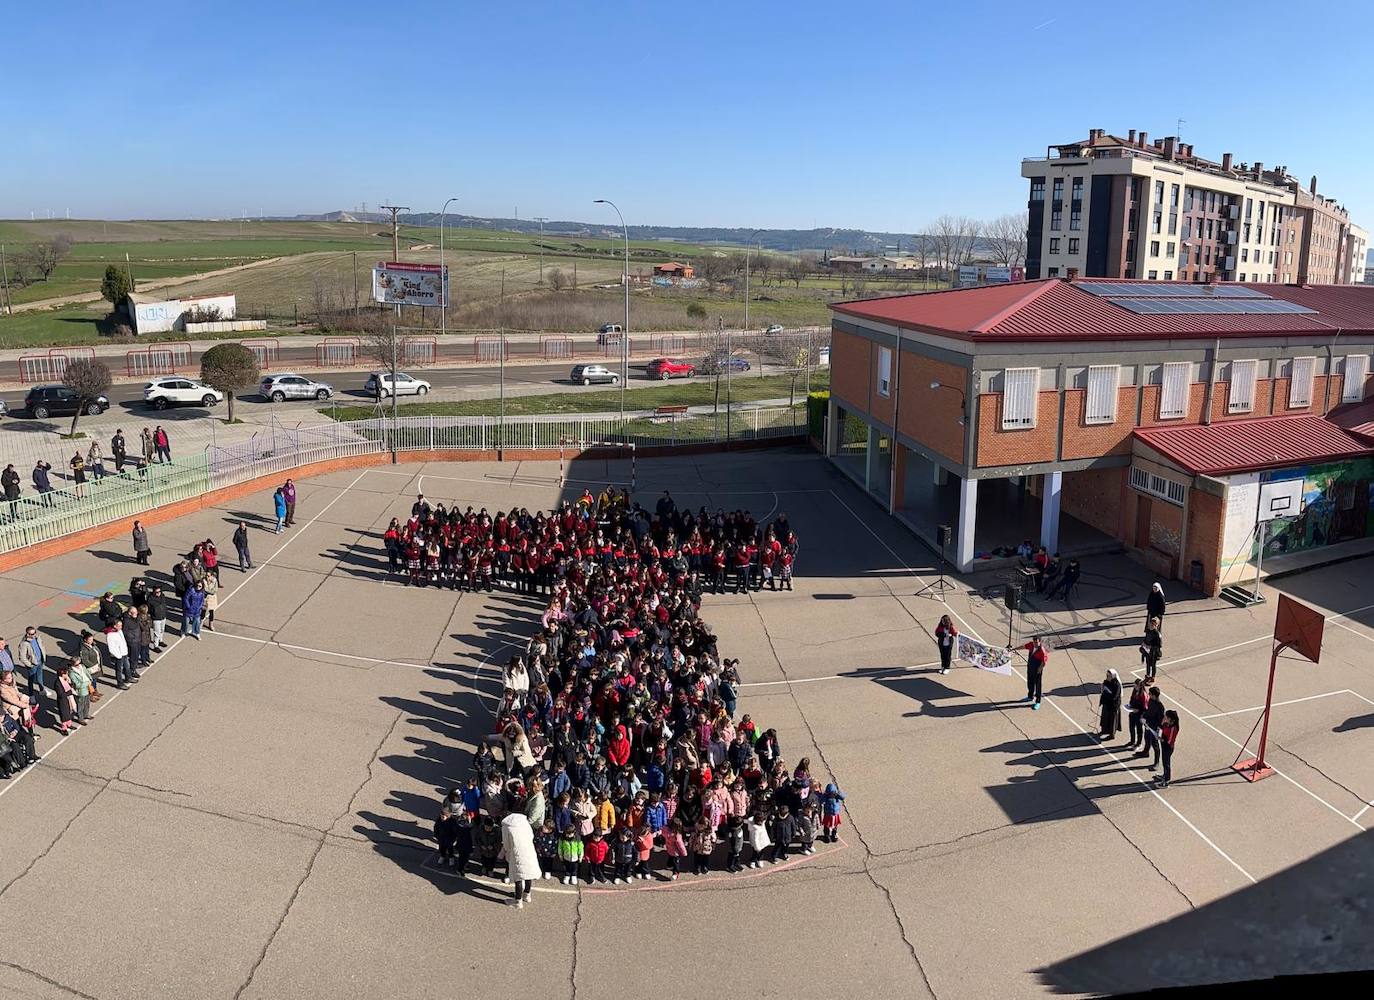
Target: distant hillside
[[857, 241]]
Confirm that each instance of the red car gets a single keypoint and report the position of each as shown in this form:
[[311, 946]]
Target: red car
[[664, 368]]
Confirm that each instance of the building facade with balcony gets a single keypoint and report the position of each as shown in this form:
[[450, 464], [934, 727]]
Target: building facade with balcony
[[1119, 207], [1015, 412]]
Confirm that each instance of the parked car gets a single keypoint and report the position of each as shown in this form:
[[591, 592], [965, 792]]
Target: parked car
[[587, 374], [715, 363], [45, 401], [666, 368], [609, 333], [289, 385], [174, 390], [773, 328], [379, 384], [4, 410]]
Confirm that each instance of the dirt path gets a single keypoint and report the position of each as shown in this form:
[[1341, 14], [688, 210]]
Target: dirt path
[[185, 279]]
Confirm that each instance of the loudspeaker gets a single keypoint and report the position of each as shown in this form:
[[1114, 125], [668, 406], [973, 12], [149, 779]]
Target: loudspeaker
[[943, 534], [1011, 595]]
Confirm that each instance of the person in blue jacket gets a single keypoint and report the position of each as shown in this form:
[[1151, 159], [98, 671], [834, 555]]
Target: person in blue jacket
[[191, 606], [830, 813], [279, 505]]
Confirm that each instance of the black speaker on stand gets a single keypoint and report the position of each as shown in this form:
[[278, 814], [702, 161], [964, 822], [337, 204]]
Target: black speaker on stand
[[937, 588]]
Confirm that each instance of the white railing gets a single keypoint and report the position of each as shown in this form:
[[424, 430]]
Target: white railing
[[277, 450]]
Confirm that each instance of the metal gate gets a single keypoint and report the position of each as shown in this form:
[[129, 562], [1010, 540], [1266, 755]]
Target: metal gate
[[490, 349], [157, 359], [556, 348], [336, 352], [416, 351], [668, 344], [52, 366], [265, 351]]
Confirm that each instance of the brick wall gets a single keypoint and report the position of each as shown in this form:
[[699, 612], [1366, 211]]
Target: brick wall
[[1084, 440], [1206, 516], [850, 365], [1096, 497], [1264, 395], [1166, 529], [1016, 447], [931, 416], [1149, 409]]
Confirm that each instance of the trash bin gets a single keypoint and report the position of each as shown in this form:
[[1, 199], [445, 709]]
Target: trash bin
[[1195, 573]]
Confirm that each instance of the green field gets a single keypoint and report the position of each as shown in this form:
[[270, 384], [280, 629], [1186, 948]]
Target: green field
[[744, 388]]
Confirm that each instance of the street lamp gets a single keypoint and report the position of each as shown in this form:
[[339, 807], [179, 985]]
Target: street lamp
[[625, 327], [963, 400], [443, 275]]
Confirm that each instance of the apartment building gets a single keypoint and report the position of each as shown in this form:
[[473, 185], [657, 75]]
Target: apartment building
[[1117, 207], [1039, 410]]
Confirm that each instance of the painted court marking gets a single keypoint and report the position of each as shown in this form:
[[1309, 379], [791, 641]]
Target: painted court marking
[[1291, 701]]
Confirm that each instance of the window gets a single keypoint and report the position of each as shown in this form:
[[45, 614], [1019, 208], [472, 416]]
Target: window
[[1154, 248], [1175, 378], [1054, 272], [1152, 275], [1300, 384], [1241, 398], [1102, 385], [1056, 218], [1170, 250], [1054, 244], [1059, 189], [1077, 190], [1165, 489], [1242, 275], [1073, 245], [1037, 189], [1075, 218], [1249, 204], [1020, 394], [1356, 371], [1159, 192], [1168, 275], [1130, 249], [884, 370], [1157, 223]]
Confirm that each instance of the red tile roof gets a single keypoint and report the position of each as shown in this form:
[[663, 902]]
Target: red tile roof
[[1256, 443], [1053, 309], [1356, 418]]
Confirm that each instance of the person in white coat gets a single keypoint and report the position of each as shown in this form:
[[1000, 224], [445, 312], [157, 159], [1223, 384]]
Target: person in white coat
[[522, 861]]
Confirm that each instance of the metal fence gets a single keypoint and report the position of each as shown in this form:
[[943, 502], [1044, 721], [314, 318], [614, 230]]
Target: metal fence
[[277, 450], [157, 359]]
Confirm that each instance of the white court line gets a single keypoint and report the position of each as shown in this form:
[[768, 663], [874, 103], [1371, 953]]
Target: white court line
[[1257, 708], [1350, 630], [837, 677], [1362, 811], [107, 700], [1124, 766], [330, 652], [1333, 619]]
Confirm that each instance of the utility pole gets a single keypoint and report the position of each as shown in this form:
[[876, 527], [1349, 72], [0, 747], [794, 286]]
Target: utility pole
[[129, 270], [395, 235], [5, 271], [355, 284], [541, 220]]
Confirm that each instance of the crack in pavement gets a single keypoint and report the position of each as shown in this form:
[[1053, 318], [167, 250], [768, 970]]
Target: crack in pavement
[[47, 980], [1037, 817], [577, 925], [53, 843], [314, 856]]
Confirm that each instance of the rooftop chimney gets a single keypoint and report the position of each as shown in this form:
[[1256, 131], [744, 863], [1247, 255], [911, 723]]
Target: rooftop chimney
[[1259, 170], [1144, 139], [1131, 139], [1313, 186], [1094, 134], [1226, 162], [1169, 146]]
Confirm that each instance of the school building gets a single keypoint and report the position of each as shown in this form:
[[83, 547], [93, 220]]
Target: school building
[[1097, 415]]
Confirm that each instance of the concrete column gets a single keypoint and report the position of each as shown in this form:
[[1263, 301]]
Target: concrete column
[[963, 532], [871, 459], [898, 497], [832, 428], [1049, 510], [941, 477]]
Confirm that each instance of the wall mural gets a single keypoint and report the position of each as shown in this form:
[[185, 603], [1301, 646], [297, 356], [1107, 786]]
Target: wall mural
[[1337, 506]]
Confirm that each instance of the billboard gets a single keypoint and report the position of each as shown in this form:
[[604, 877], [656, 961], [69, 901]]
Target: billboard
[[396, 283], [968, 275]]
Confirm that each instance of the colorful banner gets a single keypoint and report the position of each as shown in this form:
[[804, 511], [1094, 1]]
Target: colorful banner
[[410, 284], [994, 659]]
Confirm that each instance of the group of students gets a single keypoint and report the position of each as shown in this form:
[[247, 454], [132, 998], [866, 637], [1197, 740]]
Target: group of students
[[617, 727], [471, 550], [155, 446]]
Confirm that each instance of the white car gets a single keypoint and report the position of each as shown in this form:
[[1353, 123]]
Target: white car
[[379, 384], [174, 390]]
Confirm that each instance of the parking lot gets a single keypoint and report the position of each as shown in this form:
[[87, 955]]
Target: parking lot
[[252, 820]]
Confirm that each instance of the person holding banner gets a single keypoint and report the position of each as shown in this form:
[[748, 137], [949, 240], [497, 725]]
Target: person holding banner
[[946, 637], [1037, 657], [1110, 704]]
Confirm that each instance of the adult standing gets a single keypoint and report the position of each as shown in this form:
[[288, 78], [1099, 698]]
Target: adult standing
[[279, 508], [1152, 648], [78, 466], [1168, 734], [133, 638], [80, 679], [89, 654], [1155, 605], [145, 440], [191, 607], [241, 547], [41, 482], [1140, 698], [1109, 704], [946, 636], [18, 710], [33, 658], [1037, 656], [1154, 718], [9, 481], [289, 492], [118, 648], [163, 444], [95, 460], [522, 861], [142, 550], [118, 451], [211, 587], [157, 617]]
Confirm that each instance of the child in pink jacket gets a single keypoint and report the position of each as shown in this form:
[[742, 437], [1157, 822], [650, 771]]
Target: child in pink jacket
[[675, 845]]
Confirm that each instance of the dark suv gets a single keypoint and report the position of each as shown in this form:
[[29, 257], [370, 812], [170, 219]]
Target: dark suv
[[45, 401]]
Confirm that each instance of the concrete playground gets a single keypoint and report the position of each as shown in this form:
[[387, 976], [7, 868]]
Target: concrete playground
[[252, 820]]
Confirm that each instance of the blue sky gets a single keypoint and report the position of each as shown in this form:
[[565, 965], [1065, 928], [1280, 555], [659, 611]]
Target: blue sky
[[760, 114]]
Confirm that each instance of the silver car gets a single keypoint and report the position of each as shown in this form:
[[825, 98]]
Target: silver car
[[289, 385]]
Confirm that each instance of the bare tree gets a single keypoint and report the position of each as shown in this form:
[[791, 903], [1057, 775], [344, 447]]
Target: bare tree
[[953, 238], [713, 268], [42, 258], [88, 379], [557, 279], [797, 270], [763, 264], [1006, 238]]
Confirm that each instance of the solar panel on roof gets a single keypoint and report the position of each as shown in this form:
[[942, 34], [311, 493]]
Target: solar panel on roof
[[1145, 289], [1210, 307]]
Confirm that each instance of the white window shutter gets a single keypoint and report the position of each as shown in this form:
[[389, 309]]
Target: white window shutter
[[1356, 371], [1242, 395], [1300, 383], [1173, 396], [1020, 395], [884, 371], [1102, 393]]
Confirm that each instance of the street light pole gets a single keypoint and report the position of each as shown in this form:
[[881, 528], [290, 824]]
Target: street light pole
[[625, 327], [443, 275], [541, 220]]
